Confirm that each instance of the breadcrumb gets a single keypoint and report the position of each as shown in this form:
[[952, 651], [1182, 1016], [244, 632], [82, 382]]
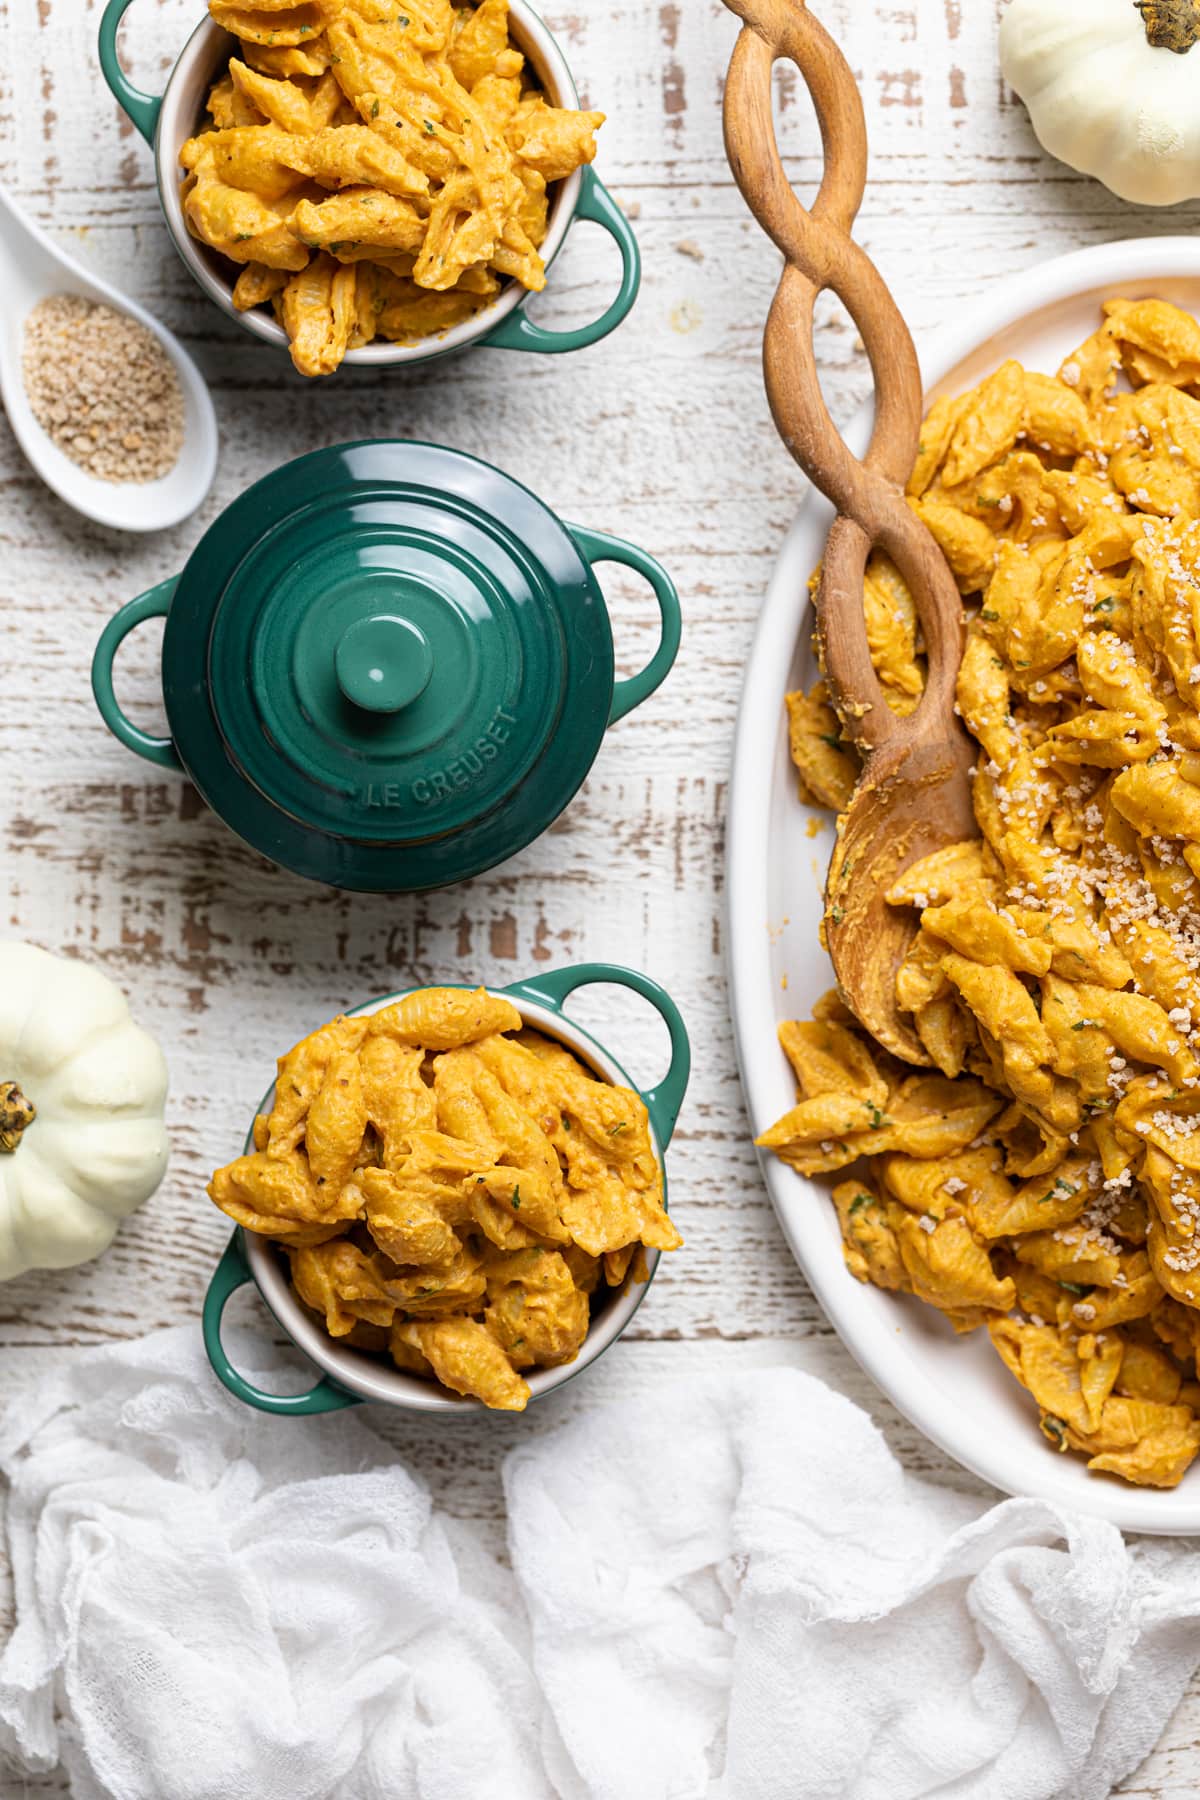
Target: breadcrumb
[[103, 388]]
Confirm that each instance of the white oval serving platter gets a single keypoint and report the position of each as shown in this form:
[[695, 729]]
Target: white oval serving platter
[[953, 1389]]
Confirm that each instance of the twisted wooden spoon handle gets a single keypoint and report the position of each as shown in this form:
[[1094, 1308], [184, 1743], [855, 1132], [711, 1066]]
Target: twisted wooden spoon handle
[[820, 253]]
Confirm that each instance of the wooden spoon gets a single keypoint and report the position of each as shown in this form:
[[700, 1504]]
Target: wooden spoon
[[914, 795]]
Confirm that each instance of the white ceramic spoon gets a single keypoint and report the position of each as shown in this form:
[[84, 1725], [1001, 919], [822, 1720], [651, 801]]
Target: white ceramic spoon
[[31, 268]]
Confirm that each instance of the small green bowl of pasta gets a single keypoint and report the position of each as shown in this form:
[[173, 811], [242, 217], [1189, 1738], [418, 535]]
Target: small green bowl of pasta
[[376, 186]]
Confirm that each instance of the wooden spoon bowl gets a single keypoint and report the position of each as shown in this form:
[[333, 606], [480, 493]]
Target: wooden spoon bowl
[[914, 794]]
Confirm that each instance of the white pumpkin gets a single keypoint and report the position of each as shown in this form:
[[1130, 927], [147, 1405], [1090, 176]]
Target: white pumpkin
[[1113, 89], [82, 1091]]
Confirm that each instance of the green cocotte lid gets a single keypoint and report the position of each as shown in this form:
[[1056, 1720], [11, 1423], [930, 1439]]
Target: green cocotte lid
[[388, 666]]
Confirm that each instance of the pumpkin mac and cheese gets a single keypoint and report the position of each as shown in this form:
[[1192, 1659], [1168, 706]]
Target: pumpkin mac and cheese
[[1043, 1183], [377, 167], [452, 1190]]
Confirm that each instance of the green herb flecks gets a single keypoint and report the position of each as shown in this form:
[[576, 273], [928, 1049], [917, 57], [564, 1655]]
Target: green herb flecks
[[1060, 1187], [1055, 1429]]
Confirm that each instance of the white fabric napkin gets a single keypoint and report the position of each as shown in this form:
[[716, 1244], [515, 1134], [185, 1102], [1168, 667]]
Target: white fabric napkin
[[727, 1591]]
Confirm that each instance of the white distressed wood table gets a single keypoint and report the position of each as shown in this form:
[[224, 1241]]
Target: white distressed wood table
[[662, 434]]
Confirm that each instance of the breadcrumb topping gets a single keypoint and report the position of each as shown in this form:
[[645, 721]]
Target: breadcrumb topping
[[102, 386]]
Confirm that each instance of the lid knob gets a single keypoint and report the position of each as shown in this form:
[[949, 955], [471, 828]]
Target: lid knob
[[383, 663]]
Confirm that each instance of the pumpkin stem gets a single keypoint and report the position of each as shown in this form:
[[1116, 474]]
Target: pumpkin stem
[[1171, 24], [16, 1116]]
